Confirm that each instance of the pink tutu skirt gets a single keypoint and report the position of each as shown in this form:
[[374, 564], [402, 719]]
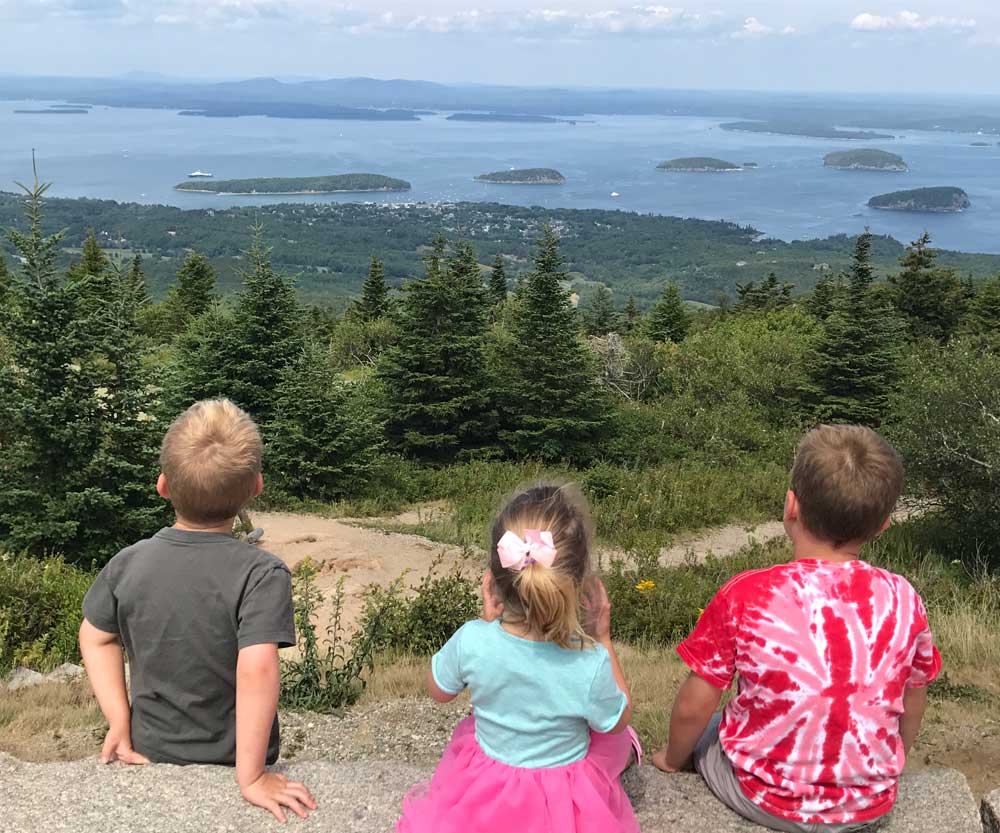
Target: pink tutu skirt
[[473, 793]]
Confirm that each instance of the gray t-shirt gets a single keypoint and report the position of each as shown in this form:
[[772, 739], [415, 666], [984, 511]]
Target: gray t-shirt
[[185, 603]]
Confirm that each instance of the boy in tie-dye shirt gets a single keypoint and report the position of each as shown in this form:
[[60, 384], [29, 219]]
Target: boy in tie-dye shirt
[[833, 657]]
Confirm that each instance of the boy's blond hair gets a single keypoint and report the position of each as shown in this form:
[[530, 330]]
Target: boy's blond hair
[[211, 460], [847, 480]]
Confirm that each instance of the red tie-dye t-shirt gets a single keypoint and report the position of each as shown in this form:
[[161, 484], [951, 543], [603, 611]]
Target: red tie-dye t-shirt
[[824, 651]]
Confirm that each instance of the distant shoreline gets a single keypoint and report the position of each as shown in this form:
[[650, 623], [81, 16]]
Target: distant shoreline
[[291, 193]]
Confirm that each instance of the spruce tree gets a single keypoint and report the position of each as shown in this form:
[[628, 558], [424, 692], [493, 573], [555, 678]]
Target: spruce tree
[[498, 282], [984, 311], [437, 403], [631, 315], [324, 443], [374, 301], [769, 295], [135, 284], [930, 298], [194, 291], [855, 367], [600, 316], [553, 408], [821, 302], [668, 320]]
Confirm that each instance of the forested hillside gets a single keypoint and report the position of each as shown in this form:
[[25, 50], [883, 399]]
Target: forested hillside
[[329, 246]]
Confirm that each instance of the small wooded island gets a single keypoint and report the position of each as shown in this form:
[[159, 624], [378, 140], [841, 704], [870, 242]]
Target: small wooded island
[[698, 164], [866, 159], [944, 199], [510, 118], [338, 184], [816, 131], [524, 176]]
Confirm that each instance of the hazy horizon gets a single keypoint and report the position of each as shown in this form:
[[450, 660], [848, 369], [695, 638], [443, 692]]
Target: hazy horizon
[[825, 46]]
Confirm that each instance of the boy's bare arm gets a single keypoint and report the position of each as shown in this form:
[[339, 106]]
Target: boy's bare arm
[[694, 706], [258, 679], [105, 664], [914, 705]]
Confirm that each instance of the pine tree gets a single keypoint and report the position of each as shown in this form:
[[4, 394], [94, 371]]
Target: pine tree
[[668, 320], [984, 311], [930, 298], [374, 300], [6, 281], [600, 316], [498, 282], [769, 295], [824, 296], [194, 291], [437, 404], [855, 367], [553, 407], [631, 315], [324, 443]]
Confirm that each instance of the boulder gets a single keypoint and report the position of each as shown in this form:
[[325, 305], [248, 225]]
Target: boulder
[[24, 678], [991, 812], [64, 673], [364, 797]]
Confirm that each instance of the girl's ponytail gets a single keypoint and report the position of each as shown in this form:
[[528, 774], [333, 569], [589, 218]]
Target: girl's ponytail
[[550, 603]]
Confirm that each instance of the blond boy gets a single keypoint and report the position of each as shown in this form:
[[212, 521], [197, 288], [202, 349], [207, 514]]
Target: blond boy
[[833, 657], [201, 616]]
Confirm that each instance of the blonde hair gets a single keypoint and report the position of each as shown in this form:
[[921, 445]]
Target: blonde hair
[[211, 460], [546, 599], [847, 480]]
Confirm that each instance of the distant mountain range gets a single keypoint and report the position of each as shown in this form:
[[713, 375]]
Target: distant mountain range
[[406, 99]]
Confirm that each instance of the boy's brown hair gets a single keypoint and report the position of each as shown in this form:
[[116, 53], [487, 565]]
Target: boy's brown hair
[[847, 480], [211, 460]]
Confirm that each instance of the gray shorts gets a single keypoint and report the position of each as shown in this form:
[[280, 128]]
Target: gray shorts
[[713, 765]]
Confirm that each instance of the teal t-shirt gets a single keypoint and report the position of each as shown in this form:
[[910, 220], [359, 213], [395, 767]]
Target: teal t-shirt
[[535, 703]]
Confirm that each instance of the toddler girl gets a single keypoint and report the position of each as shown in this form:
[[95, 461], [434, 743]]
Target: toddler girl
[[549, 733]]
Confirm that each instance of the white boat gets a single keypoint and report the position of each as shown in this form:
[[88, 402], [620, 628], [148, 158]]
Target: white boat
[[615, 194], [200, 175]]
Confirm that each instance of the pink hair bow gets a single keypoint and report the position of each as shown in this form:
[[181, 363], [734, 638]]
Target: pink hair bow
[[537, 547]]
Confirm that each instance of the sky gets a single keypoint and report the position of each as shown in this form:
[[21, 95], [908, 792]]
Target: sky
[[810, 45]]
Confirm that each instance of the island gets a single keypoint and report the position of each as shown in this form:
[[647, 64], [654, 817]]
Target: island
[[698, 164], [749, 164], [795, 129], [58, 111], [944, 199], [338, 184], [513, 118], [866, 159], [979, 144], [524, 176], [297, 110]]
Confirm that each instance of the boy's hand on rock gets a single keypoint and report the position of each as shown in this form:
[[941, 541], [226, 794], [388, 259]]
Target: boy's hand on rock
[[273, 792], [598, 607], [660, 761], [118, 747]]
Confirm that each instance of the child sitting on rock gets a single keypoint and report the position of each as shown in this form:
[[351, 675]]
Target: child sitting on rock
[[549, 735], [201, 615], [833, 657]]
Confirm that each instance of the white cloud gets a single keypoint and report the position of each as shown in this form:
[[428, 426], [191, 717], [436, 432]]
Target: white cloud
[[753, 28], [908, 21]]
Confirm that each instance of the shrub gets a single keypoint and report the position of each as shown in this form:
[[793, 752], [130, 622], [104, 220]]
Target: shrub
[[326, 677], [41, 603], [421, 623]]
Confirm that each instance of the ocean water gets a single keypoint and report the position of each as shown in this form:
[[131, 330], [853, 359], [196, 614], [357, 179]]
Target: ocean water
[[138, 155]]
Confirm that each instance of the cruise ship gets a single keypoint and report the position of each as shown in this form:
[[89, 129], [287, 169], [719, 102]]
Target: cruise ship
[[199, 174]]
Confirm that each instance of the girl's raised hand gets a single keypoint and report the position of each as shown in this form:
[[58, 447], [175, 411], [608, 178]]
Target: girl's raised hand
[[598, 607], [492, 609]]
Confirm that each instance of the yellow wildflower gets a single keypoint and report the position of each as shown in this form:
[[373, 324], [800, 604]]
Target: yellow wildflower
[[645, 586]]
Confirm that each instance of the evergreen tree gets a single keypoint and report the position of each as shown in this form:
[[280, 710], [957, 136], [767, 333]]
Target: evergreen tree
[[984, 311], [600, 316], [324, 444], [194, 291], [498, 282], [6, 295], [553, 407], [374, 301], [855, 367], [437, 403], [135, 284], [206, 360], [824, 297], [668, 320], [931, 299], [769, 295], [631, 315]]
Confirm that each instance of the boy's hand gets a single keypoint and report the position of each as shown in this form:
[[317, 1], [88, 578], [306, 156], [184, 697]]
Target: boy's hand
[[118, 747], [660, 761], [273, 792], [492, 609], [598, 607]]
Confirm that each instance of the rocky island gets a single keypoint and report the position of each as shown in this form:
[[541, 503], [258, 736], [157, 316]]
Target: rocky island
[[698, 164], [338, 184], [945, 199], [816, 131], [524, 176], [867, 159], [511, 118]]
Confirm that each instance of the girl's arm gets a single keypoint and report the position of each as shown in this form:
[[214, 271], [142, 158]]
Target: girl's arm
[[435, 691], [616, 668]]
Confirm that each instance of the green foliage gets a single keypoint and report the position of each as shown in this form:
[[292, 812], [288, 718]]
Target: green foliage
[[769, 295], [498, 281], [437, 402], [421, 621], [599, 314], [326, 676], [983, 319], [298, 185], [374, 301], [854, 368], [195, 286], [41, 600], [668, 320], [552, 408], [356, 343], [947, 426], [324, 443], [930, 298]]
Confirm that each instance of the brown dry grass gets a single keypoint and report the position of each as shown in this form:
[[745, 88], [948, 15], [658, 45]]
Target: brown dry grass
[[50, 722]]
